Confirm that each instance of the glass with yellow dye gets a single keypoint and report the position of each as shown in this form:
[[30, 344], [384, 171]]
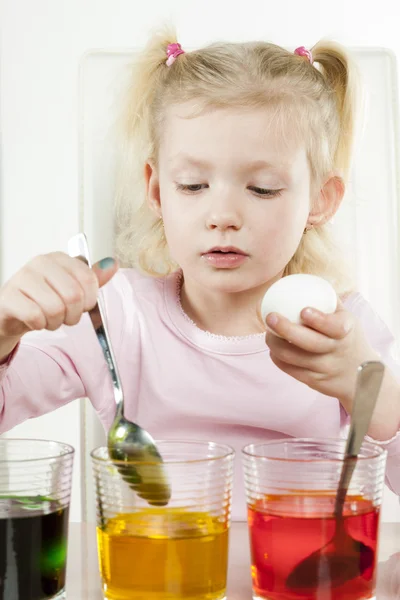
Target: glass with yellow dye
[[177, 552]]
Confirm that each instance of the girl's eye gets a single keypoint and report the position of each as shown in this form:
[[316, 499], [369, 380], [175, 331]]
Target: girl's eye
[[191, 188], [265, 193]]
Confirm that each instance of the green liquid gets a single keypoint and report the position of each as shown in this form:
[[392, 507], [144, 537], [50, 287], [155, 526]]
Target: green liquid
[[33, 547]]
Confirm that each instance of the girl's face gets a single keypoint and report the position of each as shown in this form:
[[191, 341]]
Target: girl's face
[[234, 195]]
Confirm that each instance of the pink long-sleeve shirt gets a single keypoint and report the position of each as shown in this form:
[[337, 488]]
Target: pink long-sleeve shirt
[[179, 381]]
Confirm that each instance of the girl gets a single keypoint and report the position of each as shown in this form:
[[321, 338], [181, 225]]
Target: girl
[[242, 151]]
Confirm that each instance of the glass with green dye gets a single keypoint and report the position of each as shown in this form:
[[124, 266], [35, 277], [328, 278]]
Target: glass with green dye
[[35, 486]]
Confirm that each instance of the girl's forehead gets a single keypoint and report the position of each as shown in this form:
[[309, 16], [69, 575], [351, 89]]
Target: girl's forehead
[[251, 134]]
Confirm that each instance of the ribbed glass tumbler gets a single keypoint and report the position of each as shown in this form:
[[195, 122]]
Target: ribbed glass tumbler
[[178, 551], [35, 488], [301, 547]]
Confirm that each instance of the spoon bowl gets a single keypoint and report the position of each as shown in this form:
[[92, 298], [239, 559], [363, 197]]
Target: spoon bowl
[[128, 443], [131, 448], [340, 561], [344, 557]]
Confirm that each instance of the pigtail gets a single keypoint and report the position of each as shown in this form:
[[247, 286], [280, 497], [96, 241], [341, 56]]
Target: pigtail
[[147, 73], [137, 144], [341, 75]]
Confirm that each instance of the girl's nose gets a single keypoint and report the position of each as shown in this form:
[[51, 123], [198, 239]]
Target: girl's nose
[[224, 217]]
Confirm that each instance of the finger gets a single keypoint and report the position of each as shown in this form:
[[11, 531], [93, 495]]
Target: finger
[[303, 337], [292, 355], [90, 279], [100, 273], [20, 314], [79, 270], [336, 325], [70, 291], [35, 287], [64, 284], [105, 269], [70, 278]]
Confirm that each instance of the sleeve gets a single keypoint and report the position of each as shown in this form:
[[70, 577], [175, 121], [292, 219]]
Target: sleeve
[[48, 369], [383, 342]]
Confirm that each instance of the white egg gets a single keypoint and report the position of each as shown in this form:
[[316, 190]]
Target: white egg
[[290, 295]]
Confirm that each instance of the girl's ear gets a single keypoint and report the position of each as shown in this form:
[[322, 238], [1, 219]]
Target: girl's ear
[[328, 201], [152, 186]]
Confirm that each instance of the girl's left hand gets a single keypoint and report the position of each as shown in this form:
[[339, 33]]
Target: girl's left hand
[[324, 353]]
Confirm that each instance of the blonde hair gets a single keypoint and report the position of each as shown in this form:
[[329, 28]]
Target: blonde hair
[[255, 74]]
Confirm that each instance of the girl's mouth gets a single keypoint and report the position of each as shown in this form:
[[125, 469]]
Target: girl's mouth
[[227, 257]]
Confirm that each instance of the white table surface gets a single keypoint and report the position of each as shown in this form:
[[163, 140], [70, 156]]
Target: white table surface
[[83, 581]]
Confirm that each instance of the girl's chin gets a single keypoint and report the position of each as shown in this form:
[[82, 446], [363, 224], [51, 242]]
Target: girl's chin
[[231, 282]]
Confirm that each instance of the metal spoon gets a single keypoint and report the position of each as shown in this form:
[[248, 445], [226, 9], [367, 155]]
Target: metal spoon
[[344, 558], [126, 441]]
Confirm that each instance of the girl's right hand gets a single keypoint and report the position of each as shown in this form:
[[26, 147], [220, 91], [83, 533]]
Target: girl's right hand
[[49, 291]]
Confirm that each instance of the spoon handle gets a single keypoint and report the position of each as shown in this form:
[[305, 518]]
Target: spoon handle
[[79, 248], [369, 380]]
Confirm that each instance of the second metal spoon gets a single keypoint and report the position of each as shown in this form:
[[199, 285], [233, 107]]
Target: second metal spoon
[[344, 557]]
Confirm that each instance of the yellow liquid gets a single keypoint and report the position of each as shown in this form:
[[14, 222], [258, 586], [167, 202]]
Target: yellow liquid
[[163, 554]]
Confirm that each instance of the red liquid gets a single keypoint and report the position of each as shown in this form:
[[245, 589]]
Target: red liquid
[[284, 530]]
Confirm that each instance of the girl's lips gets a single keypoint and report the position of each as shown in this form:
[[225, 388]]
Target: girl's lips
[[226, 249], [225, 260]]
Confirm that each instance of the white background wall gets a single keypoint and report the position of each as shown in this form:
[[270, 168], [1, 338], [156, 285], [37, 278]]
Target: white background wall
[[42, 42]]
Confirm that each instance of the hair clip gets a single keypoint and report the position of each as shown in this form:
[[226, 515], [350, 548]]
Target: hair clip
[[173, 51], [302, 51]]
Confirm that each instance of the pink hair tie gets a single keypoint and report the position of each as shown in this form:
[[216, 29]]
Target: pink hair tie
[[301, 51], [173, 51]]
